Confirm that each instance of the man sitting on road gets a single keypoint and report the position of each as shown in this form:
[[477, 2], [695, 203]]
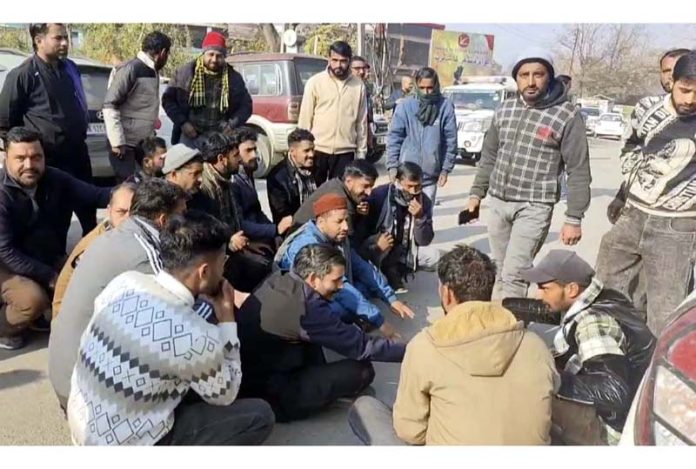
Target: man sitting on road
[[362, 279], [603, 348], [475, 377], [285, 323], [149, 155], [145, 348], [183, 167]]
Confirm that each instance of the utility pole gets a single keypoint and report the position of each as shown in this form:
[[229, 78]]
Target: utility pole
[[361, 38]]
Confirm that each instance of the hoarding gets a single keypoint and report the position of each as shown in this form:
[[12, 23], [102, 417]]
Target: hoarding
[[455, 54]]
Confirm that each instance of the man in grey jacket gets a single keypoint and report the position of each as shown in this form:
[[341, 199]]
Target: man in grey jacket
[[132, 102], [532, 139], [132, 246]]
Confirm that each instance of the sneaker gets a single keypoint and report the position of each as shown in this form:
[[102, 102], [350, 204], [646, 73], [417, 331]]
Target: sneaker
[[40, 325], [12, 343]]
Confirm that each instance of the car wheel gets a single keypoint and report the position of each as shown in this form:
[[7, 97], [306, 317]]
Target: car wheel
[[264, 151]]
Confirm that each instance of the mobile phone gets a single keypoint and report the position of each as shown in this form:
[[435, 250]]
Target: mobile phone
[[465, 216]]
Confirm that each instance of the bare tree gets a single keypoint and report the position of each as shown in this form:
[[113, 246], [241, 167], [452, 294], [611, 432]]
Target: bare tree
[[271, 36]]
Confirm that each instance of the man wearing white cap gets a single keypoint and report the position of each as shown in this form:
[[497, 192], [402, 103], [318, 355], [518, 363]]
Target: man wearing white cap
[[183, 166], [532, 139]]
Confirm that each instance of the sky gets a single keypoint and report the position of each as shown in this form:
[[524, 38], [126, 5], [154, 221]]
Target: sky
[[512, 38]]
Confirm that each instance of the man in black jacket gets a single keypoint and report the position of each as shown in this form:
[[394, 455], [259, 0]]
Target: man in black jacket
[[45, 94], [282, 328], [206, 95], [291, 181], [36, 205], [602, 350]]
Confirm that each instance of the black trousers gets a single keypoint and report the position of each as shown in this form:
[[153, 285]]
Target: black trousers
[[307, 390], [196, 423], [330, 166], [73, 158], [245, 270]]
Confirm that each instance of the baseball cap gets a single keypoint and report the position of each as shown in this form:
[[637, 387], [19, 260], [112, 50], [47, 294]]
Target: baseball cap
[[561, 266]]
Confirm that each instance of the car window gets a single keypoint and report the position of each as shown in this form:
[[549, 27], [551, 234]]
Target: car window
[[307, 68], [94, 82], [270, 80], [474, 100], [251, 73]]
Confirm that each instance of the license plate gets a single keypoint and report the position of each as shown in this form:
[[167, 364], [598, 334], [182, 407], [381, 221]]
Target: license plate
[[381, 140], [96, 129]]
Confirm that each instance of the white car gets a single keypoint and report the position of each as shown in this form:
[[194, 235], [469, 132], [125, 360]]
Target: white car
[[609, 125]]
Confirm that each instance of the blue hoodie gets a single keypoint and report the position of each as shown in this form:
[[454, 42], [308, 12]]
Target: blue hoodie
[[433, 148], [349, 299]]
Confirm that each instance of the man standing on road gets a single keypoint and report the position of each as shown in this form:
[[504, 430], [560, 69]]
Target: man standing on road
[[45, 94], [334, 109], [399, 95], [424, 131], [132, 102], [654, 235], [291, 182], [532, 139], [667, 62], [206, 95]]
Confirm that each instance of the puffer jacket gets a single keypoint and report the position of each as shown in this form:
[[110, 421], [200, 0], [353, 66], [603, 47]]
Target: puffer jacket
[[132, 103], [433, 147]]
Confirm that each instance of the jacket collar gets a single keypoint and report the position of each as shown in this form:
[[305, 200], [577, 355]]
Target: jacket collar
[[147, 60]]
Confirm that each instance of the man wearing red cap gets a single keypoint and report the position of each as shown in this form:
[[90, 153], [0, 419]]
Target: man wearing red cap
[[362, 279], [206, 95]]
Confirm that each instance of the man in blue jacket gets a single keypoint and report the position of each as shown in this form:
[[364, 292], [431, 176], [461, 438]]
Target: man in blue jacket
[[362, 279], [283, 327], [424, 131]]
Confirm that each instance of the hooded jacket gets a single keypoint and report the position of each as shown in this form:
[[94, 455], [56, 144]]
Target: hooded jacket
[[475, 377], [528, 146]]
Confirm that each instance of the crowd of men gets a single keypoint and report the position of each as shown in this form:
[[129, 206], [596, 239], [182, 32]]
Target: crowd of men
[[188, 316]]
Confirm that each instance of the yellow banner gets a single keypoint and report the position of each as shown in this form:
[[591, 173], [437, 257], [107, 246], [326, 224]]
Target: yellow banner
[[454, 54]]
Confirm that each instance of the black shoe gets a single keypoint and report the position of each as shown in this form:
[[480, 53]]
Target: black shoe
[[40, 325], [12, 343], [395, 280]]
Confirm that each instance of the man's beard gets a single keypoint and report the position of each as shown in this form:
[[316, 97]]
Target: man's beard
[[339, 72]]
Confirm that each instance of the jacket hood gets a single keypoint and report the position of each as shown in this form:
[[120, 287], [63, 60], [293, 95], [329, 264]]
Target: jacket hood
[[480, 338]]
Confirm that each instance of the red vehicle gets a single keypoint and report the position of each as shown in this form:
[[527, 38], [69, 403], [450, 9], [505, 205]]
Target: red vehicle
[[276, 83], [664, 412]]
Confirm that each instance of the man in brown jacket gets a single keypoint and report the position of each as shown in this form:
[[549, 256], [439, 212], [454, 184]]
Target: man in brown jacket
[[475, 377], [334, 109], [117, 211]]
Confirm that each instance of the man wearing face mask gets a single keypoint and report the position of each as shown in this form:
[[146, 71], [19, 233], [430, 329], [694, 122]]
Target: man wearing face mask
[[206, 95], [399, 224], [424, 131], [283, 327], [533, 138], [334, 109], [292, 182], [654, 234]]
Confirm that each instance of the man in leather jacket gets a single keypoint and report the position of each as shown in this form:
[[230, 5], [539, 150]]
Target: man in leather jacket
[[602, 350]]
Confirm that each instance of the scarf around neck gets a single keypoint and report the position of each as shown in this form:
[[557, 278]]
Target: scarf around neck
[[304, 180], [429, 106], [197, 93], [217, 187]]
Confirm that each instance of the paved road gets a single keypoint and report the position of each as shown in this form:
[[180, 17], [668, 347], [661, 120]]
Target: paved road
[[29, 413]]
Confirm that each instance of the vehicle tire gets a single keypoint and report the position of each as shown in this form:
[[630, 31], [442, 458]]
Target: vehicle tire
[[264, 151]]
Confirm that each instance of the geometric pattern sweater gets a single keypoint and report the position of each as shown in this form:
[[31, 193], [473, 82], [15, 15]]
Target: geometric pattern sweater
[[144, 348]]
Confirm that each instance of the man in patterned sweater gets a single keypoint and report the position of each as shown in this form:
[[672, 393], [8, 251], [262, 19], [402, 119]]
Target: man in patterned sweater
[[532, 139], [145, 347], [654, 235]]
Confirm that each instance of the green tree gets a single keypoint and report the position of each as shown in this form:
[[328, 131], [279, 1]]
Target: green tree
[[321, 36], [13, 38]]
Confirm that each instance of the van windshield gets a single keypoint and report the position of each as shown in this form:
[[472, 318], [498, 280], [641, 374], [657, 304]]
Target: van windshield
[[474, 100]]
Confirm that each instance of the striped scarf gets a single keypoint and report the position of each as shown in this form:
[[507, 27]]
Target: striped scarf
[[197, 94], [304, 180], [218, 188]]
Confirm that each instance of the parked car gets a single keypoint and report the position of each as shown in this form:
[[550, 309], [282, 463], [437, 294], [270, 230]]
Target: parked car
[[664, 409], [590, 115], [95, 77], [609, 125]]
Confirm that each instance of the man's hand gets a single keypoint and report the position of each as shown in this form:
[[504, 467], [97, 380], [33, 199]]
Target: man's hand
[[284, 225], [189, 130], [442, 180], [415, 208], [238, 241], [363, 208], [388, 331], [571, 234], [385, 241], [474, 204], [121, 151], [402, 310], [223, 303], [614, 210]]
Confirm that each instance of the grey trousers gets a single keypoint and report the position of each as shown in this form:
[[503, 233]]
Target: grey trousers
[[371, 421], [661, 250], [517, 231], [431, 191]]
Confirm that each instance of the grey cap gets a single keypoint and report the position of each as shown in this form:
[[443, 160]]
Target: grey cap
[[534, 54], [177, 156], [560, 266]]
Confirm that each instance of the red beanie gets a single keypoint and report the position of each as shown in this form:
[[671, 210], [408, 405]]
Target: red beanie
[[329, 202], [215, 40]]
